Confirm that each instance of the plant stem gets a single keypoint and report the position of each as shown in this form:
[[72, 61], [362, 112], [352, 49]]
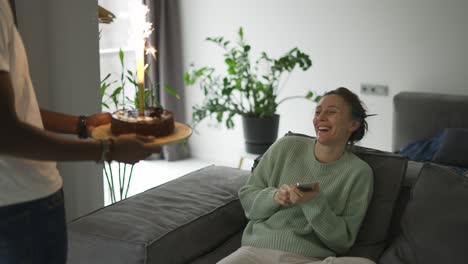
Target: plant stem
[[111, 190], [129, 180], [123, 181], [292, 97], [112, 182], [236, 104], [120, 182]]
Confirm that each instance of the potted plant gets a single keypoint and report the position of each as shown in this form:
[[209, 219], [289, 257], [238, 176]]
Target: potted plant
[[246, 89], [113, 97]]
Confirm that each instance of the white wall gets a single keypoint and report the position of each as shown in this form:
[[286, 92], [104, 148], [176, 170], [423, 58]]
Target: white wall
[[408, 45], [61, 39]]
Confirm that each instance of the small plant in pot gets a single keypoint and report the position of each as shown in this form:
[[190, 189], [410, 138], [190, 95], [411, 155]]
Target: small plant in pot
[[247, 89]]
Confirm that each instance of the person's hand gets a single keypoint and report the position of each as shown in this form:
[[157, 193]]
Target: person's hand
[[104, 15], [96, 120], [281, 196], [131, 148], [298, 196]]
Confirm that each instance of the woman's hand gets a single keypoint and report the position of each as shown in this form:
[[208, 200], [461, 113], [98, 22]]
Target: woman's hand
[[290, 194], [281, 196], [297, 196]]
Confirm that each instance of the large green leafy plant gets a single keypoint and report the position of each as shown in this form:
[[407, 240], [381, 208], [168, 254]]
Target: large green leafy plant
[[246, 89]]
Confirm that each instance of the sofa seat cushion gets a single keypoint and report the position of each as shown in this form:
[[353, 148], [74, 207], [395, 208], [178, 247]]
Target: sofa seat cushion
[[435, 222], [193, 214]]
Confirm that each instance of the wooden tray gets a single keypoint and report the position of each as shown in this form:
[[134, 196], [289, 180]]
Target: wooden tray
[[181, 132]]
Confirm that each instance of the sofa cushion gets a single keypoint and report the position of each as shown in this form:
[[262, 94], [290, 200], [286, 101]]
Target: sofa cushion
[[435, 222], [454, 148], [222, 251], [412, 172], [184, 215], [389, 170]]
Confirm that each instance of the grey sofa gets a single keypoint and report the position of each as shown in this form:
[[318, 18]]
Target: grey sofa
[[198, 218]]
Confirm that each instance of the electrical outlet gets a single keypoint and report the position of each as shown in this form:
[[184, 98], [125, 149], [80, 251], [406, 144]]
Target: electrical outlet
[[374, 89]]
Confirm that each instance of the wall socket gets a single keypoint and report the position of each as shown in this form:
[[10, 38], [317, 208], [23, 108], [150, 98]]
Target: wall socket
[[374, 89]]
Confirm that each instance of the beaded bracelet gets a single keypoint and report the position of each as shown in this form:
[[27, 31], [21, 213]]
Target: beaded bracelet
[[82, 131]]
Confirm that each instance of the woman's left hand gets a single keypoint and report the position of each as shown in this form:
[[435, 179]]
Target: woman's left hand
[[297, 196]]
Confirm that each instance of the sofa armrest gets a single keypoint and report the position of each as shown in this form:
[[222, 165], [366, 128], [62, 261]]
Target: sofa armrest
[[173, 223]]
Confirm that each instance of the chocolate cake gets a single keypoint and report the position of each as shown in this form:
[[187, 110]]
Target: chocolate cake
[[156, 122]]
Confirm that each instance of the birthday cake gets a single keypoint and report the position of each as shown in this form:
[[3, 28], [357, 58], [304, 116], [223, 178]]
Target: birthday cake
[[155, 122]]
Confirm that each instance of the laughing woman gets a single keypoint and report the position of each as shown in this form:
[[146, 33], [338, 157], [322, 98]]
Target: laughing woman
[[287, 225]]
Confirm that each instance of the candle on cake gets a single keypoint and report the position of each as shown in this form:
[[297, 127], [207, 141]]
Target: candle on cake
[[140, 72], [142, 29]]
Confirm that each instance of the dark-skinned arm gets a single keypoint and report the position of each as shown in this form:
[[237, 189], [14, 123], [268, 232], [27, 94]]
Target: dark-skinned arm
[[59, 123], [68, 124], [20, 139]]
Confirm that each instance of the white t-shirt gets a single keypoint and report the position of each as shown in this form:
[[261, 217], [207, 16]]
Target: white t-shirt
[[22, 180]]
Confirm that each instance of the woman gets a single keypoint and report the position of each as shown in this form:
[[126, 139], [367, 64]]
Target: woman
[[288, 225]]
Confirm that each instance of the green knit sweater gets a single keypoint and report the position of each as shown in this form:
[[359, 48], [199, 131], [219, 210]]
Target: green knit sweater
[[324, 226]]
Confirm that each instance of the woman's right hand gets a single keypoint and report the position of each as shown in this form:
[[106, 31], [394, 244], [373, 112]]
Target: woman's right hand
[[298, 196], [290, 194], [131, 148], [281, 196]]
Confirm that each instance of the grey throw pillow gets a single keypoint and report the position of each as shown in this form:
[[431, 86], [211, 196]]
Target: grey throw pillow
[[435, 222], [454, 148]]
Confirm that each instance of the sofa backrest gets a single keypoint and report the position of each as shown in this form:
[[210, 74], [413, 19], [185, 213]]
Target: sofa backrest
[[389, 170], [416, 118]]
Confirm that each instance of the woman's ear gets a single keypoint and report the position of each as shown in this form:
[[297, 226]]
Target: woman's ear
[[355, 124]]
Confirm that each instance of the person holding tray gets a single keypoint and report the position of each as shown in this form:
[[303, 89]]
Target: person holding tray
[[306, 199], [32, 215]]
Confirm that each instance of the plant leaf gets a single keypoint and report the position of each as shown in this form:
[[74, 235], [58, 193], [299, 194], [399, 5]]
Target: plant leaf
[[187, 79], [171, 91], [103, 89], [105, 105], [132, 81], [241, 33], [219, 117], [121, 57], [200, 71], [116, 91], [105, 78]]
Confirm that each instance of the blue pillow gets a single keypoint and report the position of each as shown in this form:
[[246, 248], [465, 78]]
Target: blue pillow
[[423, 150]]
